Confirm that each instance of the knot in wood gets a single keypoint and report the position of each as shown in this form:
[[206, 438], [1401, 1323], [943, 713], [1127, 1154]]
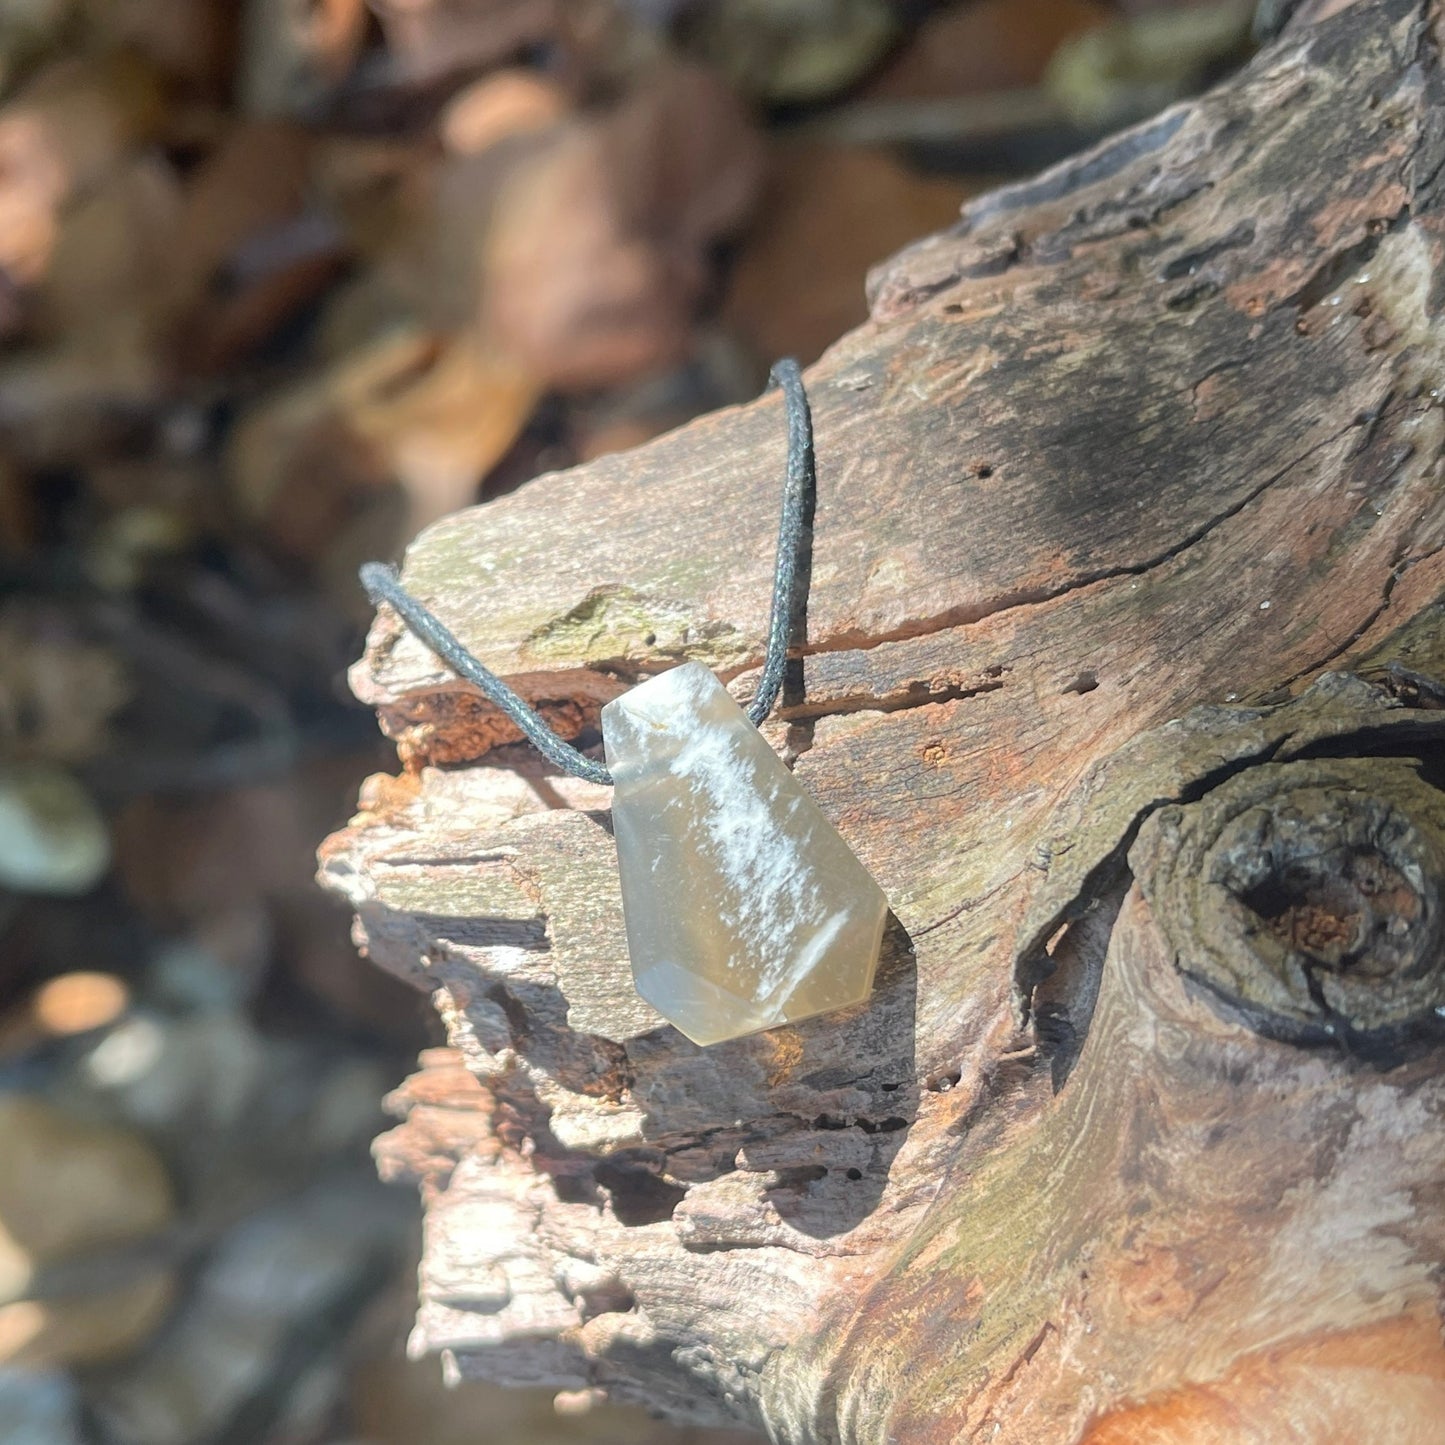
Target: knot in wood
[[1307, 895]]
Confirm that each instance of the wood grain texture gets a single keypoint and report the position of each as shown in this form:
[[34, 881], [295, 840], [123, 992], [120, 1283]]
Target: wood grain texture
[[1130, 487]]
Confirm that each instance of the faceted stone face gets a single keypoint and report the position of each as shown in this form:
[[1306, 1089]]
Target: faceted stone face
[[744, 908]]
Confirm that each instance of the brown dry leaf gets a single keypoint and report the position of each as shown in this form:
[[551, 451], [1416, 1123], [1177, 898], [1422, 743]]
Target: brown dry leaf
[[70, 1188], [30, 30], [98, 315], [380, 189], [255, 180], [61, 405], [115, 250], [989, 45], [189, 41], [443, 433], [597, 252], [61, 134], [84, 1329], [687, 158], [413, 413], [831, 213], [718, 372], [303, 261], [32, 185], [250, 248], [503, 104], [566, 286], [17, 509], [64, 1006]]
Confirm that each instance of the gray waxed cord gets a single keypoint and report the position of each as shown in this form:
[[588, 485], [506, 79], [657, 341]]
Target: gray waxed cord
[[789, 575]]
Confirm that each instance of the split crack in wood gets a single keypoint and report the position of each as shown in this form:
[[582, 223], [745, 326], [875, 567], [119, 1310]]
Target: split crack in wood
[[900, 696]]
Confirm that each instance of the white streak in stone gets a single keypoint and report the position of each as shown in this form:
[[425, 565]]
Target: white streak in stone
[[807, 959], [763, 871]]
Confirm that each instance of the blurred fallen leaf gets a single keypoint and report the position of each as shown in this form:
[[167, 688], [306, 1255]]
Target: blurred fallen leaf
[[58, 136], [413, 413], [70, 1188], [792, 293], [500, 105], [597, 253]]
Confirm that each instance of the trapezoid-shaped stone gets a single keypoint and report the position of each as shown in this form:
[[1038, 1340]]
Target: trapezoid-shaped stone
[[744, 908]]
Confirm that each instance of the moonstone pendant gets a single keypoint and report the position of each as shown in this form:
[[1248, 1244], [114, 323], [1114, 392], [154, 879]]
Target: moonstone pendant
[[744, 908]]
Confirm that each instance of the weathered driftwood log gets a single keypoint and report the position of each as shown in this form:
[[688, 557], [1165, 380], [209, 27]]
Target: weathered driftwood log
[[1124, 676]]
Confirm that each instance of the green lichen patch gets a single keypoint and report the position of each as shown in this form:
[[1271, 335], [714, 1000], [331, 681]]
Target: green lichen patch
[[619, 627]]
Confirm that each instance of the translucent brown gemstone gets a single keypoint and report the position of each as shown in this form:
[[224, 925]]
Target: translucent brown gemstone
[[744, 908]]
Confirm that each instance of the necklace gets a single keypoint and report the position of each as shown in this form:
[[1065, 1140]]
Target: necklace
[[743, 906]]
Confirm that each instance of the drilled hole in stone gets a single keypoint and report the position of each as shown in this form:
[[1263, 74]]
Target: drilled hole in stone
[[853, 1173]]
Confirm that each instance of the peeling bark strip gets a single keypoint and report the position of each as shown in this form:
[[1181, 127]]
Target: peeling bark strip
[[1140, 1134]]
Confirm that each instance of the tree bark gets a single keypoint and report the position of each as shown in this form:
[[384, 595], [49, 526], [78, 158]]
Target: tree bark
[[1124, 676]]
